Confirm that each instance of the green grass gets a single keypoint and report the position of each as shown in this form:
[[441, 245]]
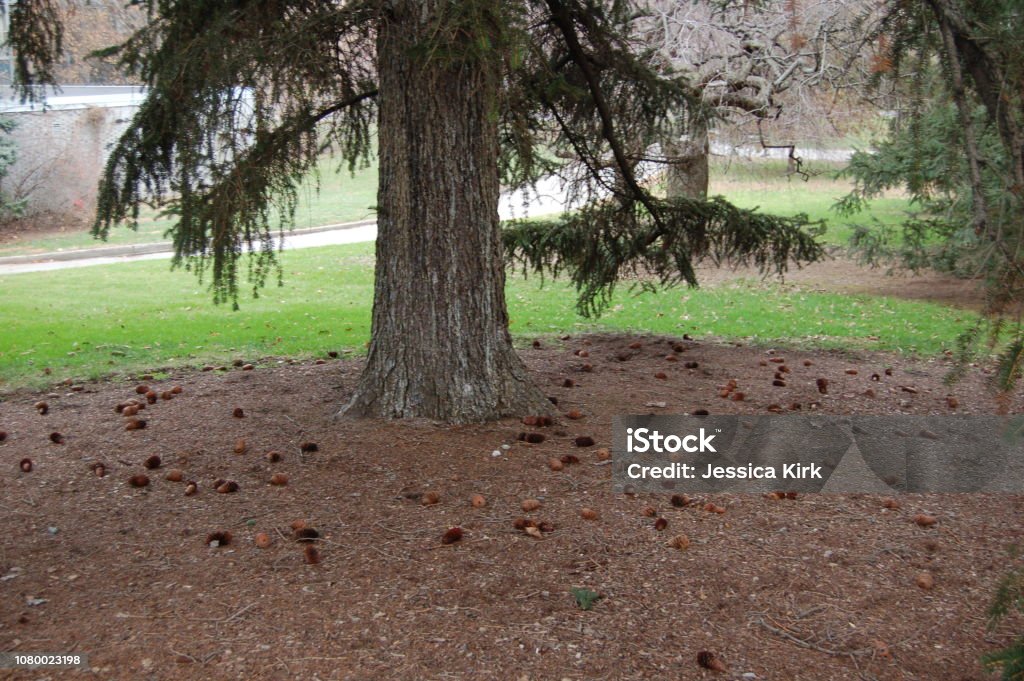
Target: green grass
[[94, 321], [766, 186], [342, 198]]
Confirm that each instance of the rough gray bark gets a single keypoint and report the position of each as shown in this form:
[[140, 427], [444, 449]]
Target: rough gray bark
[[687, 170], [440, 345]]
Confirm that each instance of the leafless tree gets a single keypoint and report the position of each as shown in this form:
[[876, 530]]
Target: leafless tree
[[777, 66]]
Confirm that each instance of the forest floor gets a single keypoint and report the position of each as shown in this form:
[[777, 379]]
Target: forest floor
[[818, 587]]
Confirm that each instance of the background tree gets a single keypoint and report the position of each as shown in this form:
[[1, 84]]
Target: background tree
[[245, 95], [778, 66]]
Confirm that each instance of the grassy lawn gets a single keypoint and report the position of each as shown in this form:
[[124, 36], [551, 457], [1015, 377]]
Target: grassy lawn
[[94, 321]]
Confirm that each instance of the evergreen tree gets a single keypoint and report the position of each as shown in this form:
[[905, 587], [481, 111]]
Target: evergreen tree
[[462, 95], [961, 154]]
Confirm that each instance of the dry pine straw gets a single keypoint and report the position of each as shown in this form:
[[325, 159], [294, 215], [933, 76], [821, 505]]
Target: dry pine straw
[[821, 587]]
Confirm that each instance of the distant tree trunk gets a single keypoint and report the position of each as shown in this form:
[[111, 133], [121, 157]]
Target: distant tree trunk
[[440, 346], [687, 173]]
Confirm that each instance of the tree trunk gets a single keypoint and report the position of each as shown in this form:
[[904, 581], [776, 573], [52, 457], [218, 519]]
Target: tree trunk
[[687, 174], [440, 346]]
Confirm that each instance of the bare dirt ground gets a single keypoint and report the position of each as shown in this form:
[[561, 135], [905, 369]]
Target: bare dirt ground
[[820, 587], [844, 275]]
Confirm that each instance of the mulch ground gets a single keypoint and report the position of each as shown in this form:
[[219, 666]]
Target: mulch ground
[[818, 587]]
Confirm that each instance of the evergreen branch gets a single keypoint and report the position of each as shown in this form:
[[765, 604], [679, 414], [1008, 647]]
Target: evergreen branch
[[562, 18]]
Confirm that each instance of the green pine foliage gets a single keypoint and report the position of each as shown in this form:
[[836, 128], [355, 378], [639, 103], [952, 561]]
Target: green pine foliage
[[958, 150], [1009, 661]]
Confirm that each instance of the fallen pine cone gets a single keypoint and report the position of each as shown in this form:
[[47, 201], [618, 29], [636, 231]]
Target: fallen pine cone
[[307, 447], [142, 389], [238, 413], [227, 487], [574, 414], [925, 520], [530, 505], [273, 457], [584, 441], [175, 475], [43, 408], [822, 384], [306, 534], [681, 500], [532, 438], [713, 508], [139, 480], [555, 464], [660, 524], [570, 459], [603, 454], [588, 514], [25, 465], [310, 552], [709, 660], [99, 470], [537, 421], [451, 536], [262, 540], [925, 581], [240, 446], [191, 488], [152, 462], [219, 538], [279, 479], [56, 438], [680, 542], [430, 498], [477, 501], [135, 424]]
